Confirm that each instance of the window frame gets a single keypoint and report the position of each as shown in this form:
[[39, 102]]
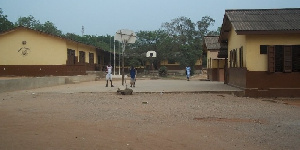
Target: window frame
[[285, 58], [81, 57]]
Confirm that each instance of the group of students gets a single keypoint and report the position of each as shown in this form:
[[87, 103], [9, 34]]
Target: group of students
[[133, 73]]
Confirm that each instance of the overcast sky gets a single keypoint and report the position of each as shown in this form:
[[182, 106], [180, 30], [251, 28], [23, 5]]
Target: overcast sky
[[101, 17]]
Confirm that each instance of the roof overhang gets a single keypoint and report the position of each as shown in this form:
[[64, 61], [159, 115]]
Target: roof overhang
[[260, 32]]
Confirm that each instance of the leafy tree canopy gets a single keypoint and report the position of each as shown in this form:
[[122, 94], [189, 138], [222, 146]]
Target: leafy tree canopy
[[187, 38], [30, 22], [179, 40], [5, 24]]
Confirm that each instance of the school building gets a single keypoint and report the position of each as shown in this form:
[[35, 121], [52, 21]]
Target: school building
[[28, 52]]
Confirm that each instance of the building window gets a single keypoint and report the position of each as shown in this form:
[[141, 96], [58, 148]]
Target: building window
[[230, 58], [70, 57], [241, 57], [284, 58], [91, 58], [271, 58], [296, 58], [81, 57], [263, 49], [99, 60], [233, 58]]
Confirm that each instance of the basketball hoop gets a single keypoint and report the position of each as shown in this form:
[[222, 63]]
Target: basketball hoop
[[124, 36]]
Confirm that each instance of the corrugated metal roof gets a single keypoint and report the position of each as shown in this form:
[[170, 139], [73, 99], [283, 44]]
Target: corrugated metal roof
[[264, 19], [212, 42]]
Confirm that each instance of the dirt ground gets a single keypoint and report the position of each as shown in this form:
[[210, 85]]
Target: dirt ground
[[146, 121]]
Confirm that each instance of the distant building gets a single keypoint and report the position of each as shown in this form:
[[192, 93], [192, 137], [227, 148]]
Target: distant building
[[263, 51], [174, 67], [215, 66], [28, 52]]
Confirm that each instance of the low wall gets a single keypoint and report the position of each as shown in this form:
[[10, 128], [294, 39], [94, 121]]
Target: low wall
[[215, 74], [29, 83], [25, 83], [80, 78], [43, 70], [265, 84], [237, 77]]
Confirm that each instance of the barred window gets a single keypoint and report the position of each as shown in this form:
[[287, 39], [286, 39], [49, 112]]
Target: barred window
[[81, 57], [233, 58], [284, 58], [241, 57], [71, 57], [91, 58]]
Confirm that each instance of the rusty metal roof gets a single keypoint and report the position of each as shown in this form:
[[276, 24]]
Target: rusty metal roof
[[212, 42], [287, 19]]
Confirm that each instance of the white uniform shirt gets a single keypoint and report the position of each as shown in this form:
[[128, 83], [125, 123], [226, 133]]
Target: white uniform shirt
[[109, 69], [108, 75]]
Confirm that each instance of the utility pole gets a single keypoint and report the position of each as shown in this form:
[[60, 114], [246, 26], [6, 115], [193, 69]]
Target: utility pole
[[82, 30]]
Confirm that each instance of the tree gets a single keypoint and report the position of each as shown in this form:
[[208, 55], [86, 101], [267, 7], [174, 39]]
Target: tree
[[28, 22], [31, 22], [187, 38], [4, 23], [215, 32], [50, 28], [149, 41], [183, 33], [179, 40], [97, 41], [203, 26], [182, 28]]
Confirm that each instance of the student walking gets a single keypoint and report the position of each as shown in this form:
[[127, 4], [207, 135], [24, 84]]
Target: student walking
[[132, 76], [188, 72]]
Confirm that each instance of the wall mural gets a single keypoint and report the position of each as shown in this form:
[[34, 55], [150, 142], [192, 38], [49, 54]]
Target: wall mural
[[24, 51]]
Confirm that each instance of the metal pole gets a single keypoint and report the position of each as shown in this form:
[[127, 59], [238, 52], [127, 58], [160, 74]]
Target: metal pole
[[119, 58], [124, 44], [110, 49], [114, 58], [152, 66]]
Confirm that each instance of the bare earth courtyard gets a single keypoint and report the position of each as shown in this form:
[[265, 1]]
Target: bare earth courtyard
[[57, 118]]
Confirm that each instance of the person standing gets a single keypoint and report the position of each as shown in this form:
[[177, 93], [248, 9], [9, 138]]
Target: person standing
[[132, 76], [109, 75], [188, 72]]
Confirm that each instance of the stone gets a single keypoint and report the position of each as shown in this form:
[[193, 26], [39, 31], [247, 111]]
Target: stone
[[124, 90]]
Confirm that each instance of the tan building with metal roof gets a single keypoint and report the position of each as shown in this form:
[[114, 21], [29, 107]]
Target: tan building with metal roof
[[263, 51], [215, 66], [28, 52]]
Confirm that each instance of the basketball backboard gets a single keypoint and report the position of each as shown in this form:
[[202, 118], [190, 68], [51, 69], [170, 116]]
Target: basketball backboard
[[151, 54], [125, 36]]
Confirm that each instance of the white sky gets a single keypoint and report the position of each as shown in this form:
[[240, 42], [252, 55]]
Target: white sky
[[101, 17]]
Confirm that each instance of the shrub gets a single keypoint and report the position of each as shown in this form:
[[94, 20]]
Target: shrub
[[163, 71]]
